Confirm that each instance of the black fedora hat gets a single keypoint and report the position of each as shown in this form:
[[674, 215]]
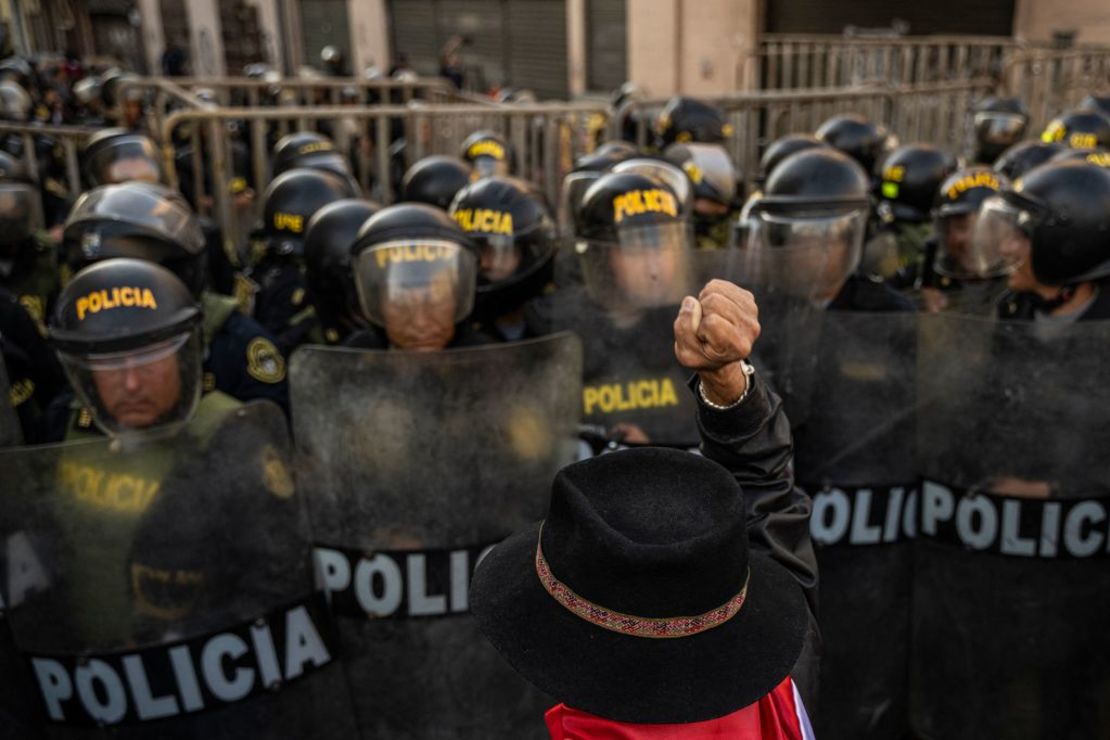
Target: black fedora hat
[[637, 599]]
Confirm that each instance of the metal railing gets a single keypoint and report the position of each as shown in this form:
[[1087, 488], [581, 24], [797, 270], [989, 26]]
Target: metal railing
[[70, 140], [1050, 81], [937, 113], [790, 62]]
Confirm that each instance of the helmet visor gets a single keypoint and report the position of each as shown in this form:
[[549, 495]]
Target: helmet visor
[[647, 267], [666, 173], [162, 212], [1000, 240], [1001, 129], [416, 282], [575, 186], [148, 387], [490, 167], [125, 161], [804, 256], [20, 212]]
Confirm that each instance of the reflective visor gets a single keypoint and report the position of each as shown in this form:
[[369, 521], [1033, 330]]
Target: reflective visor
[[1000, 241], [648, 266], [409, 279], [999, 128]]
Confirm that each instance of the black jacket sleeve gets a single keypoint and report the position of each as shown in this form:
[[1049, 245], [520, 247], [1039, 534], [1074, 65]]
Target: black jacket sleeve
[[754, 443]]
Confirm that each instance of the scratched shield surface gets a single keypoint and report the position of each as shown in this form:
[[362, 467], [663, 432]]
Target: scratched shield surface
[[160, 585], [413, 465]]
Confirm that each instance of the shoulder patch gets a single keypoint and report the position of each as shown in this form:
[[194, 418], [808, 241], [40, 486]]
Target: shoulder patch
[[275, 474], [84, 419], [264, 362]]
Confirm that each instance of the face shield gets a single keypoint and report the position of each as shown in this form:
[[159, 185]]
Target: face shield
[[125, 161], [486, 166], [666, 173], [648, 266], [803, 255], [20, 213], [139, 389], [575, 186], [999, 130], [1000, 241], [416, 289], [158, 210]]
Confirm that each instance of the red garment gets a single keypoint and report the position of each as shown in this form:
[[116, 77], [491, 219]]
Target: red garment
[[776, 716]]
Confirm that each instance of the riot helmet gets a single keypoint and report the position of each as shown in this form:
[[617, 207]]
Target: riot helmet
[[87, 90], [291, 199], [435, 180], [587, 169], [511, 224], [15, 102], [999, 124], [1051, 226], [635, 243], [109, 85], [911, 175], [18, 70], [1096, 103], [804, 233], [710, 170], [13, 168], [957, 213], [136, 220], [20, 217], [782, 148], [673, 176], [308, 149], [1079, 129], [687, 120], [416, 274], [128, 333], [862, 140], [116, 155], [1024, 156], [488, 153], [328, 238]]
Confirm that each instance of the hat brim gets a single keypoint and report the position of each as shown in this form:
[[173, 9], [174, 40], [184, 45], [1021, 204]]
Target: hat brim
[[636, 679]]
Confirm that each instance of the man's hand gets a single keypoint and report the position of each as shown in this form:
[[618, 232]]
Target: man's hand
[[712, 333]]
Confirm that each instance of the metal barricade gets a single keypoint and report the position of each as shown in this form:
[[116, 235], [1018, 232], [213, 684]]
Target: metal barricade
[[1050, 82], [64, 142], [790, 61]]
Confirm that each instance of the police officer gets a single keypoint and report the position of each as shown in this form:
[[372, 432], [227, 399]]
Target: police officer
[[714, 178], [28, 259], [435, 180], [153, 223], [862, 140], [587, 169], [687, 120], [309, 149], [999, 124], [951, 279], [34, 377], [814, 207], [328, 277], [488, 153], [416, 272], [512, 225], [116, 155], [911, 175], [1079, 129], [288, 204], [1024, 156], [1097, 103], [782, 148], [1050, 230]]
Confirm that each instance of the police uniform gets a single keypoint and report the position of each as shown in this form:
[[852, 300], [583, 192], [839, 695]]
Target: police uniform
[[34, 376], [241, 359], [33, 277]]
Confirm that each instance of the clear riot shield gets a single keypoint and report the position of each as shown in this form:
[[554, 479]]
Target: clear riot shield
[[160, 586], [789, 313], [1011, 586], [10, 432], [414, 464], [854, 455], [633, 389]]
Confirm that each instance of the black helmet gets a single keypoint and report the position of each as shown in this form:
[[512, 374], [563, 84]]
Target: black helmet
[[605, 156], [116, 155], [331, 232], [956, 212], [782, 148], [20, 215], [587, 169], [1061, 210], [1079, 129], [1096, 103], [511, 224], [13, 168], [635, 243], [685, 120], [109, 85], [435, 180], [138, 220], [804, 233], [308, 149], [709, 168], [290, 201], [911, 175], [1024, 156], [488, 153], [628, 91], [660, 170], [18, 70], [113, 322], [859, 138], [413, 247], [999, 124]]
